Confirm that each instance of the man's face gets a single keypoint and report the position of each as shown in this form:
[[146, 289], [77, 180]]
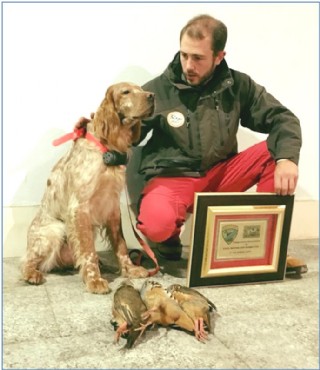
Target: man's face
[[197, 59]]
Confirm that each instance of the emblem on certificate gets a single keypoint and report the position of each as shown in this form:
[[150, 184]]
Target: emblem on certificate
[[229, 233]]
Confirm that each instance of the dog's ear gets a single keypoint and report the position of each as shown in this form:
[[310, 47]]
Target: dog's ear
[[107, 121]]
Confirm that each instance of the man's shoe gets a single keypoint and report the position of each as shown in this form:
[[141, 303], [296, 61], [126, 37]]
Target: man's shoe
[[295, 266], [170, 251]]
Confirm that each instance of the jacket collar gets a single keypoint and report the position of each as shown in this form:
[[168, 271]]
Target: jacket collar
[[220, 79]]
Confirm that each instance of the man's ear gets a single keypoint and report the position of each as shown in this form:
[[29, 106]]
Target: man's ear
[[219, 57]]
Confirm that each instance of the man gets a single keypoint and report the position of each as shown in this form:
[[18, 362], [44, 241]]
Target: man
[[200, 102]]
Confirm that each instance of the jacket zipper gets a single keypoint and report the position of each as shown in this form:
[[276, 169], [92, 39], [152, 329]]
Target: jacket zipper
[[217, 107], [189, 130], [216, 104]]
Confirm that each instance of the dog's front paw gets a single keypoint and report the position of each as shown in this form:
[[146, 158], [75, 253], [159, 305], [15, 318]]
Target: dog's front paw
[[98, 286], [34, 277], [132, 271]]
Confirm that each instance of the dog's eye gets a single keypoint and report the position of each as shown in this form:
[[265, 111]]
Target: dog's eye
[[125, 92]]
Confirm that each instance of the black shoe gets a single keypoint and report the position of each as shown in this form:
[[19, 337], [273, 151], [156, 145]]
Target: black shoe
[[170, 251], [295, 267]]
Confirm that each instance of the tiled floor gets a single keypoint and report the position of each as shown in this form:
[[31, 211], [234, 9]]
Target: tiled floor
[[59, 325]]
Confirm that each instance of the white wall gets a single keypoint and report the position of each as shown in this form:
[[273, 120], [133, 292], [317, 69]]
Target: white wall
[[59, 58]]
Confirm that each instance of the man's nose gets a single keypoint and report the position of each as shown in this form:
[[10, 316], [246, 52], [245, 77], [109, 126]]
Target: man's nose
[[189, 64]]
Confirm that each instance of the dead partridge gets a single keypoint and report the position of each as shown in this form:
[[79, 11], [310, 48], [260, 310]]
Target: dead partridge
[[127, 309], [162, 309], [195, 305]]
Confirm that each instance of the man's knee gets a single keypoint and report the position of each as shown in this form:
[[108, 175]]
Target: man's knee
[[156, 228], [156, 219]]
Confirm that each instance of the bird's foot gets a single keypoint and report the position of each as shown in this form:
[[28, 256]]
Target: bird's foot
[[200, 333], [122, 329]]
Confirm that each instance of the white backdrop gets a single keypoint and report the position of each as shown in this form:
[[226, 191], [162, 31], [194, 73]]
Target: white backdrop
[[59, 58]]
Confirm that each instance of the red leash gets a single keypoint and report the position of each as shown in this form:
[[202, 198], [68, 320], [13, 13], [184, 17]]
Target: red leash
[[82, 133], [143, 244], [79, 133]]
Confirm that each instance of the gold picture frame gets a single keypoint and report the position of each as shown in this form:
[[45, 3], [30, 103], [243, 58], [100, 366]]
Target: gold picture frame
[[239, 238]]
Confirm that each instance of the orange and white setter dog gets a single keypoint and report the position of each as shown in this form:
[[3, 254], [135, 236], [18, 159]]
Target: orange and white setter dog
[[83, 195]]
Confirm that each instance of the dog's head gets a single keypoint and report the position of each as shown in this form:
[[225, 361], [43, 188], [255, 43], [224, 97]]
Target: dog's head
[[118, 119], [130, 102]]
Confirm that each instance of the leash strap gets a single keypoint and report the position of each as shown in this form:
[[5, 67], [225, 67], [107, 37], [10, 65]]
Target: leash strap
[[92, 138], [79, 133], [76, 134], [143, 244]]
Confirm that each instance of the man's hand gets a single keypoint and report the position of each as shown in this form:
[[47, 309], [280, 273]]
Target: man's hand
[[83, 121], [285, 177]]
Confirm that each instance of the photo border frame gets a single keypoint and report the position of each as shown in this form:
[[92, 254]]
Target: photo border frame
[[212, 211]]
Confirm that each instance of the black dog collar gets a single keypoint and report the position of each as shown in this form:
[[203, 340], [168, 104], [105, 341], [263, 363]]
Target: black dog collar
[[114, 158]]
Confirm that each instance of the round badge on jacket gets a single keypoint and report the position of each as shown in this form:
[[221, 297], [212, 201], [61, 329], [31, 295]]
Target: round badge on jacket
[[175, 119]]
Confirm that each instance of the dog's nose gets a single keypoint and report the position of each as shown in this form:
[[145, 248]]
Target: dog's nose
[[150, 97]]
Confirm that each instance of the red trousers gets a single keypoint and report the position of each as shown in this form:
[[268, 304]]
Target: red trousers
[[166, 200]]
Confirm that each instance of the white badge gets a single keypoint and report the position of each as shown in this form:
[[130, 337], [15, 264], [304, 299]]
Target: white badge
[[175, 119]]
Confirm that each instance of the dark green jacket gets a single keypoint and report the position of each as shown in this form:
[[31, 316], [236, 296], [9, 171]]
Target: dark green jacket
[[203, 121]]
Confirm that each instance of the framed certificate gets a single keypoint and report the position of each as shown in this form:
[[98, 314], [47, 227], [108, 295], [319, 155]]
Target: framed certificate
[[239, 238]]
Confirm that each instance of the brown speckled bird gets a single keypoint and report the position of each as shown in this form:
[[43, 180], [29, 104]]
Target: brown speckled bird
[[196, 306], [162, 309], [127, 309]]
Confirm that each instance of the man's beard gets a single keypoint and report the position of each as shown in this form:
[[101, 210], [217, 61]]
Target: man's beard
[[203, 80]]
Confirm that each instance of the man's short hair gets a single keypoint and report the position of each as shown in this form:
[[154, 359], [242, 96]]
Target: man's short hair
[[203, 25]]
